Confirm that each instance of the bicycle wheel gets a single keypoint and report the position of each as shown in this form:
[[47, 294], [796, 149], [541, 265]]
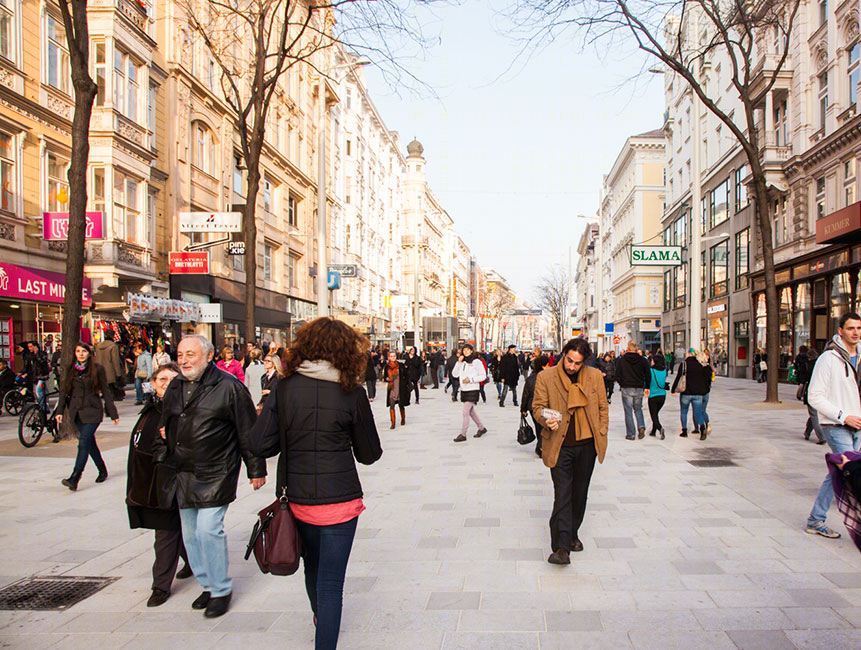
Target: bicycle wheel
[[31, 425], [13, 402]]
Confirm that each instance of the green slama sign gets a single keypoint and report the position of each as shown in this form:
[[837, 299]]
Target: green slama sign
[[656, 255]]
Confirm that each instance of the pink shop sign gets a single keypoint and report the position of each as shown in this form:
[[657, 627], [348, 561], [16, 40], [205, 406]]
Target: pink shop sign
[[55, 225], [34, 284]]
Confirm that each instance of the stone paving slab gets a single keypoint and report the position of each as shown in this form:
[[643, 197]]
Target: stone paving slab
[[451, 552]]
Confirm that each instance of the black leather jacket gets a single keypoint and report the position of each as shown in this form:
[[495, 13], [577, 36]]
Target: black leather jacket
[[206, 437]]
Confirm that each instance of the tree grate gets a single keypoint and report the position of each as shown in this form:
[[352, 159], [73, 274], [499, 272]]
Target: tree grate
[[50, 592], [713, 463]]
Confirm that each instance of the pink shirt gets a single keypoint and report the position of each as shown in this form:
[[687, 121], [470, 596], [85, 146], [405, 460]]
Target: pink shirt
[[329, 514]]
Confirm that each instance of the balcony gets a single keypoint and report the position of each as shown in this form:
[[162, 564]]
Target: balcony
[[135, 260], [107, 119], [764, 69], [410, 240], [774, 159]]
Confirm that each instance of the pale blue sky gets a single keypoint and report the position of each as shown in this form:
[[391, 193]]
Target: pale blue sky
[[516, 148]]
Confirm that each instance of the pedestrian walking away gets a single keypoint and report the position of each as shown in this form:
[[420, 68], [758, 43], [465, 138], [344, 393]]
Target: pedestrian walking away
[[254, 372], [398, 387], [471, 372], [509, 373], [571, 406], [143, 371], [834, 394], [371, 377], [452, 380], [145, 483], [634, 378], [83, 388], [608, 369], [435, 362], [804, 368], [414, 367], [207, 418], [697, 379], [318, 424], [657, 393], [539, 363]]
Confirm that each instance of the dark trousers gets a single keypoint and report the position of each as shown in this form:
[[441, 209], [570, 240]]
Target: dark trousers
[[571, 478], [505, 389], [481, 392], [537, 435], [435, 376], [87, 447], [168, 549], [655, 406], [414, 385], [608, 384], [325, 551], [372, 388], [454, 382]]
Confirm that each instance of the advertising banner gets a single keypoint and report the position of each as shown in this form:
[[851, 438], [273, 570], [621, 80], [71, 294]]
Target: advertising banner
[[188, 262], [55, 226], [34, 284], [210, 221], [143, 306], [656, 255]]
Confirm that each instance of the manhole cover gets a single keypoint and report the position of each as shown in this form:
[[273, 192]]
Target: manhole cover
[[50, 592], [713, 463]]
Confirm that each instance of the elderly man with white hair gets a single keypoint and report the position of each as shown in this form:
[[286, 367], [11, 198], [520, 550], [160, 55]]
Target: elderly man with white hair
[[207, 416]]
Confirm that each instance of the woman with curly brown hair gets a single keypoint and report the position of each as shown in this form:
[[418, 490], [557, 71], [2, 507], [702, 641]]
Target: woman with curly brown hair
[[320, 422]]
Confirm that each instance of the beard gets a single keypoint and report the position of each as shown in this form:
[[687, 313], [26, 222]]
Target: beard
[[195, 372]]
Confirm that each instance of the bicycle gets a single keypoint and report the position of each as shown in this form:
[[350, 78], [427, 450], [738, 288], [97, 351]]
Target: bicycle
[[15, 399], [33, 422]]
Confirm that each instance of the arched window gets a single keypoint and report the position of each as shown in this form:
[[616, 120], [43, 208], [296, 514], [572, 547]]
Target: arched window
[[204, 148]]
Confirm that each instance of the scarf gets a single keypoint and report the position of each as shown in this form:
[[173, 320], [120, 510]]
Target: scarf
[[393, 371], [322, 370], [847, 504], [837, 345], [80, 367]]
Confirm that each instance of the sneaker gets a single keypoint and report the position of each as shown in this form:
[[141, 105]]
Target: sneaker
[[480, 432], [641, 432], [630, 438], [821, 529], [460, 438], [559, 557]]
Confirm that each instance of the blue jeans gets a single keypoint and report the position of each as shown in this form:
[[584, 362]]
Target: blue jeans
[[686, 401], [705, 412], [325, 551], [439, 373], [206, 545], [840, 439], [632, 404], [87, 447], [41, 393]]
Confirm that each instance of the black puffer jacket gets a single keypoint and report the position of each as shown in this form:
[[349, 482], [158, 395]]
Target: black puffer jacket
[[414, 367], [206, 439], [509, 370], [317, 428]]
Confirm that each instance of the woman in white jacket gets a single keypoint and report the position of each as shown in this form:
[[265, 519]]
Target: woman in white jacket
[[471, 372]]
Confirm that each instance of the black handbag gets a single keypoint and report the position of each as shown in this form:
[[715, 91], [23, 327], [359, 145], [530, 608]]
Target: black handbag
[[525, 434]]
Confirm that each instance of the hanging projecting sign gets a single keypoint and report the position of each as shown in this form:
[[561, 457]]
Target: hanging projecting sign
[[656, 255], [55, 226], [210, 221], [236, 248], [188, 262]]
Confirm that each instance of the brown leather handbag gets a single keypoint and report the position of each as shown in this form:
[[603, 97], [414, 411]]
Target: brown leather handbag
[[275, 539]]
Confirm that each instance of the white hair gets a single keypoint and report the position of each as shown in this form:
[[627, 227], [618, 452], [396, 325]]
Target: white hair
[[205, 343]]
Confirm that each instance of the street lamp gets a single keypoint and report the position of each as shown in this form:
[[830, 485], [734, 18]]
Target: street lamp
[[321, 230]]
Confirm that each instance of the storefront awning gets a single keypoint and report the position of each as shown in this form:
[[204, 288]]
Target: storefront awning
[[841, 227]]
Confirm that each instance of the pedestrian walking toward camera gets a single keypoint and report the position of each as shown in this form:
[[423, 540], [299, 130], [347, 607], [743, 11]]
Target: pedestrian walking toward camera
[[494, 367], [414, 365], [273, 372], [435, 360], [371, 377], [657, 393], [804, 367], [230, 365], [85, 396], [834, 393], [538, 365], [570, 405], [320, 422], [633, 376], [509, 373], [143, 371], [398, 387], [145, 482], [452, 380], [254, 373], [692, 382], [471, 372], [207, 418], [608, 370]]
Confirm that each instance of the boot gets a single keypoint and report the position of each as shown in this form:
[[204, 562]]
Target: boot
[[103, 475], [684, 433], [403, 416], [72, 481], [392, 414], [703, 432]]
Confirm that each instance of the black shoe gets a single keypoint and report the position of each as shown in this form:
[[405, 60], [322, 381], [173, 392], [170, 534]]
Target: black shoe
[[217, 606], [460, 438], [703, 432], [454, 398], [480, 432], [158, 597], [684, 433], [102, 477], [501, 404], [559, 557], [821, 442], [576, 545], [807, 436], [184, 572], [538, 453], [138, 403], [72, 481], [201, 601], [652, 434]]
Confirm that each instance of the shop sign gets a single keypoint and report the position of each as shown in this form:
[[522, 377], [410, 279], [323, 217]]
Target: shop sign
[[34, 284], [152, 308], [716, 309], [210, 221], [345, 270], [656, 255], [55, 226], [210, 312], [236, 248], [188, 262], [841, 226]]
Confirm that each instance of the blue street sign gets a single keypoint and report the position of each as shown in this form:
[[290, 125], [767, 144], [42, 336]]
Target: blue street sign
[[609, 328], [333, 280]]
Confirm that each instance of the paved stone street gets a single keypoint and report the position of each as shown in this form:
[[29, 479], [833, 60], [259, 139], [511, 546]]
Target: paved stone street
[[451, 553]]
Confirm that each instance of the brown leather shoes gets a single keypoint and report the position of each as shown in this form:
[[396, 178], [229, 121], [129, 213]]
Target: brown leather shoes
[[576, 545], [559, 556]]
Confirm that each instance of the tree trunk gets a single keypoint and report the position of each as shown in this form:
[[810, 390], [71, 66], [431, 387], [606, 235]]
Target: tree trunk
[[772, 305], [249, 228]]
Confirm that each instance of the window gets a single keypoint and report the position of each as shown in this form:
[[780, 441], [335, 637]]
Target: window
[[291, 271], [823, 99], [703, 276], [237, 176], [849, 167], [7, 173], [97, 196], [704, 210], [780, 124], [668, 290], [267, 262], [349, 147], [149, 221], [127, 206], [58, 56], [150, 115], [742, 255], [853, 73], [680, 226], [719, 200], [823, 11], [126, 77], [349, 102], [820, 197], [238, 262], [204, 149], [719, 269], [681, 283], [740, 188], [100, 72], [292, 212], [347, 192], [347, 243], [58, 183], [267, 195], [7, 29]]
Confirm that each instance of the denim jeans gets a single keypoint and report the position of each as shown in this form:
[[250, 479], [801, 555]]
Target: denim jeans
[[840, 439], [440, 373], [705, 411], [685, 401], [206, 545], [632, 404], [40, 390], [326, 551], [504, 393], [87, 447]]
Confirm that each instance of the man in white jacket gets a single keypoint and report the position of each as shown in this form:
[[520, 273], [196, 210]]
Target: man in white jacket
[[834, 393], [471, 372]]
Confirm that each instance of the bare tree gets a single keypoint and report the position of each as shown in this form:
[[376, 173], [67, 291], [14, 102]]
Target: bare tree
[[497, 301], [74, 14], [552, 294], [686, 35], [255, 42]]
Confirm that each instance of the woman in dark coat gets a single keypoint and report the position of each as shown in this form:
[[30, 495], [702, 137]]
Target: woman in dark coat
[[142, 489], [398, 387], [414, 370], [538, 365], [273, 371], [371, 376], [320, 422], [84, 387]]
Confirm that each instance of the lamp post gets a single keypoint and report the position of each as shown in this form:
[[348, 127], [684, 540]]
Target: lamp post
[[321, 226]]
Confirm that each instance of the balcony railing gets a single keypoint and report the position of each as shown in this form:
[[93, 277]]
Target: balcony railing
[[121, 254]]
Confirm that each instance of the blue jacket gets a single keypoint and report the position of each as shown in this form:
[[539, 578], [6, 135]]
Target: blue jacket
[[659, 379]]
